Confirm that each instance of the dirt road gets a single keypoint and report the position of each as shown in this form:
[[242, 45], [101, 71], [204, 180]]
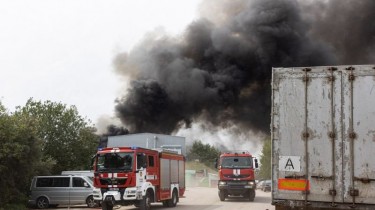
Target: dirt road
[[203, 198]]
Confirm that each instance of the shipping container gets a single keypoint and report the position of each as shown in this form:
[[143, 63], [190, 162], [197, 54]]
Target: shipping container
[[323, 137]]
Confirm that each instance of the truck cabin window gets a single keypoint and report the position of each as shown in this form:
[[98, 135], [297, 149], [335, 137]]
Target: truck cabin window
[[141, 161], [121, 161], [236, 162]]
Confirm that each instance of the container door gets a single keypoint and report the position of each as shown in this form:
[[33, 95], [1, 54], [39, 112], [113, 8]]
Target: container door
[[306, 135], [288, 123], [323, 136], [359, 134]]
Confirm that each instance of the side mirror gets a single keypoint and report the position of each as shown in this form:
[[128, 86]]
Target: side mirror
[[256, 163], [216, 163], [86, 185]]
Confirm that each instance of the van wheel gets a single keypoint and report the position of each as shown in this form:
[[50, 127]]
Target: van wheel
[[42, 203], [91, 202]]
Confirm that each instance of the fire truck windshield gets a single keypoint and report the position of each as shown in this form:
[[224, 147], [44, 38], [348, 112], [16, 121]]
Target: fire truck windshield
[[121, 161], [236, 162]]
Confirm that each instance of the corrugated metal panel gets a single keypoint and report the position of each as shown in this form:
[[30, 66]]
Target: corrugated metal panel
[[324, 120], [181, 171], [165, 178], [174, 171]]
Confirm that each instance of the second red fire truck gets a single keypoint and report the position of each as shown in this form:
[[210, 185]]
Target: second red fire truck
[[236, 175], [138, 176]]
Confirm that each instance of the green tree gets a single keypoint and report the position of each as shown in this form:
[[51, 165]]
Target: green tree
[[205, 153], [265, 160], [67, 138], [20, 157]]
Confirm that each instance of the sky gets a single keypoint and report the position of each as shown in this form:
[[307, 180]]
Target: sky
[[62, 51]]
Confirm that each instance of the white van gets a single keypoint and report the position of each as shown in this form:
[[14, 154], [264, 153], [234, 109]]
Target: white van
[[89, 174], [50, 191]]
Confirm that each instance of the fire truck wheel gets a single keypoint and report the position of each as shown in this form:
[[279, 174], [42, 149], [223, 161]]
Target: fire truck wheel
[[251, 195], [145, 203], [173, 201], [107, 206], [222, 195], [42, 203]]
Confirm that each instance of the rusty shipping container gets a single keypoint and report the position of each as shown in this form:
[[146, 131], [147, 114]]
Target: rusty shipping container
[[323, 137]]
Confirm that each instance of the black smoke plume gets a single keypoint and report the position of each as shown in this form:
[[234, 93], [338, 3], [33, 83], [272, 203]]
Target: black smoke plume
[[112, 130], [219, 70]]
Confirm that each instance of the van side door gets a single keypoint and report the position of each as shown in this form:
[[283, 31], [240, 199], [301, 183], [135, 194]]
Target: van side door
[[80, 190]]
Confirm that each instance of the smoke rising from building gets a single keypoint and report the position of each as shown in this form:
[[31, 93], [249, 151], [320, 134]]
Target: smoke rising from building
[[219, 71]]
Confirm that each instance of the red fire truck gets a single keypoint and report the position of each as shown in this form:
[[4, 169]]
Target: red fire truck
[[138, 176], [236, 175]]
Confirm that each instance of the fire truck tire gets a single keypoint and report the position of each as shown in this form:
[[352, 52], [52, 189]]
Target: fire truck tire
[[145, 203], [222, 195], [251, 195], [42, 203], [173, 201], [107, 206]]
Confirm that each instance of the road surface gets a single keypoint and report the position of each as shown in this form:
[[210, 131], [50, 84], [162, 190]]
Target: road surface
[[204, 198]]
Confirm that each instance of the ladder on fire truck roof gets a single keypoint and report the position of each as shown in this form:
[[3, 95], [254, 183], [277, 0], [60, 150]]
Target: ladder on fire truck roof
[[236, 152]]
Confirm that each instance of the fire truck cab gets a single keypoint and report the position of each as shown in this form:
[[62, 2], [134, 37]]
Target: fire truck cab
[[236, 175], [138, 176]]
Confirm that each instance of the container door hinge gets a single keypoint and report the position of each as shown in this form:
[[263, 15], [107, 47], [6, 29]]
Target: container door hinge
[[306, 192], [322, 178], [332, 68], [296, 177], [364, 180], [351, 77], [332, 135], [354, 192], [331, 78], [352, 135], [332, 192], [305, 135]]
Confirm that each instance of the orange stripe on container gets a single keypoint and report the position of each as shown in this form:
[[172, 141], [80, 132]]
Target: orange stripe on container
[[293, 184]]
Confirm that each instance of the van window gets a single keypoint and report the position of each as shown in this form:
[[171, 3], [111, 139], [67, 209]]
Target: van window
[[53, 182], [79, 182], [61, 182], [44, 182]]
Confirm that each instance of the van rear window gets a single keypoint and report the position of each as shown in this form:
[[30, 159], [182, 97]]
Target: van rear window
[[53, 182]]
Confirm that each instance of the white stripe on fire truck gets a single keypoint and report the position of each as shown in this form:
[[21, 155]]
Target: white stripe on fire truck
[[237, 171]]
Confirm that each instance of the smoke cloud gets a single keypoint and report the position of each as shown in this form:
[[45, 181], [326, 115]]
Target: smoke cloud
[[219, 71]]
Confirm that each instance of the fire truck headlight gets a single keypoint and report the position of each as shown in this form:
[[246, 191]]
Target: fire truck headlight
[[222, 183], [251, 183]]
